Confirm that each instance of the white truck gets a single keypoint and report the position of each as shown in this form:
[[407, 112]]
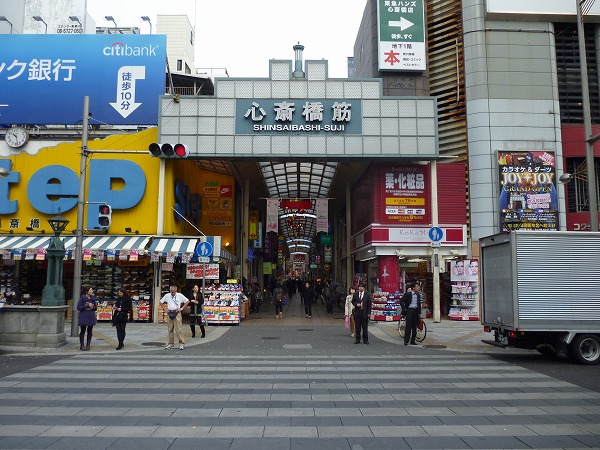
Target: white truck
[[541, 290]]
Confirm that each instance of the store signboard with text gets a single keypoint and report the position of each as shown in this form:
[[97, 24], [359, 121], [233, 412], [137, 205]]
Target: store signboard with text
[[198, 271], [405, 194], [528, 195]]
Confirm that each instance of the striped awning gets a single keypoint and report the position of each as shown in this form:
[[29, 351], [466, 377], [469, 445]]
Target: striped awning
[[167, 245], [111, 243], [11, 241]]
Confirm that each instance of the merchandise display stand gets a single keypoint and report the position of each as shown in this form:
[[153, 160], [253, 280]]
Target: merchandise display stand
[[222, 304], [465, 290], [384, 306]]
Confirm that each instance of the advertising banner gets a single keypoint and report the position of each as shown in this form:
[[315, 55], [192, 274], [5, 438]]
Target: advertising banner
[[321, 210], [195, 271], [44, 78], [528, 196], [405, 193], [273, 215]]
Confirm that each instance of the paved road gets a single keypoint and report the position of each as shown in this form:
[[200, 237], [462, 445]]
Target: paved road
[[291, 384]]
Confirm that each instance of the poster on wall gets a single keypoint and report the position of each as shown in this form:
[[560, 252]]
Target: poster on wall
[[528, 196], [405, 194]]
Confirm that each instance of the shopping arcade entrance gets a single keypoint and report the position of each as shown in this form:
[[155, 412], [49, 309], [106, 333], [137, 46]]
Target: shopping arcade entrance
[[249, 125]]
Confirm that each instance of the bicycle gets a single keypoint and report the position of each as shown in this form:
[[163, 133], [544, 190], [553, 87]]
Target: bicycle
[[421, 334]]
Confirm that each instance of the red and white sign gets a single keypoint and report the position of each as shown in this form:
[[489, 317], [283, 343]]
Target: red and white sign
[[417, 236], [195, 271]]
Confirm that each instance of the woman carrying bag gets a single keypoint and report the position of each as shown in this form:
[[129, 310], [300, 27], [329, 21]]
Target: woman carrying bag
[[197, 311], [349, 309], [120, 317], [87, 306]]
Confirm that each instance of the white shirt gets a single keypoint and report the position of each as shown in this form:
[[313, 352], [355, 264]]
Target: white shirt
[[174, 301]]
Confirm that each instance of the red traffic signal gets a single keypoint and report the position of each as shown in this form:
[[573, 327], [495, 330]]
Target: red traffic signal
[[104, 216], [168, 150]]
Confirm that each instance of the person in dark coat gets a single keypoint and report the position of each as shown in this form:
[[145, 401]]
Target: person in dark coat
[[309, 296], [411, 305], [362, 310], [197, 311], [121, 310], [87, 307]]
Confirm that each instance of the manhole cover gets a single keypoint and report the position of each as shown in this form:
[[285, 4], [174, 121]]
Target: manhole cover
[[153, 344], [270, 337], [305, 329], [435, 346]]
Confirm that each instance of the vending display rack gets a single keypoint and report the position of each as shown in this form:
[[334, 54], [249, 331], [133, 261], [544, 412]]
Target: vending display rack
[[222, 304], [384, 306]]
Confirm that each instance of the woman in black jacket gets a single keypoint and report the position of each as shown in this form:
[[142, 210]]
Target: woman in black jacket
[[197, 311], [309, 296], [121, 310]]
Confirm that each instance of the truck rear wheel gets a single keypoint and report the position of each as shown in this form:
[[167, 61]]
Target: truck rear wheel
[[585, 349]]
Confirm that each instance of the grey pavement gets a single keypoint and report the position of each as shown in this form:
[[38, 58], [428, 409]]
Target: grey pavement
[[292, 383], [461, 336]]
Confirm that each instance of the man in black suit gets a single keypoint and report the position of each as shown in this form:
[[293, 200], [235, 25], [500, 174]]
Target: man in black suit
[[362, 310], [411, 305]]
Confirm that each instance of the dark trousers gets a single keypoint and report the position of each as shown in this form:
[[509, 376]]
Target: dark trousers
[[121, 332], [412, 318], [361, 324], [278, 307], [193, 326], [329, 303], [82, 331], [308, 308]]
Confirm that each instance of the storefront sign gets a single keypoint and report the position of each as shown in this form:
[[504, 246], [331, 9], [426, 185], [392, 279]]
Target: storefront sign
[[195, 271], [401, 31], [405, 194], [188, 204], [528, 195], [293, 116], [253, 225]]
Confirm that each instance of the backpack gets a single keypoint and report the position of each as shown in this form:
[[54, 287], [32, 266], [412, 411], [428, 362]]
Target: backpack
[[279, 295]]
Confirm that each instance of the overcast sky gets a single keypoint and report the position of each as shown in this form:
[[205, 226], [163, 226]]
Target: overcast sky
[[243, 35]]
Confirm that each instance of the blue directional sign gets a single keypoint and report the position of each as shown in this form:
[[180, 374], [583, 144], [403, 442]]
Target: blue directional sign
[[204, 250], [436, 234], [44, 78]]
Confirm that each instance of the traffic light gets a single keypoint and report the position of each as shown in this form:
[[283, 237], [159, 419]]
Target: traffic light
[[104, 216], [168, 150]]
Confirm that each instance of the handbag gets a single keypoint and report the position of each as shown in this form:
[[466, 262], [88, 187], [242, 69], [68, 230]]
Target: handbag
[[186, 311], [172, 314], [420, 324]]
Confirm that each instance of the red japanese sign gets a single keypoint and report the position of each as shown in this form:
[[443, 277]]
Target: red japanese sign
[[405, 194]]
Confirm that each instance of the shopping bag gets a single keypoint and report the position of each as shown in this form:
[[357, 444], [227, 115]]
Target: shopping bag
[[347, 321], [420, 324], [285, 301]]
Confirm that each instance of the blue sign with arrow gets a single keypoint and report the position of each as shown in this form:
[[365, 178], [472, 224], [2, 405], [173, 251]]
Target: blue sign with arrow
[[44, 78]]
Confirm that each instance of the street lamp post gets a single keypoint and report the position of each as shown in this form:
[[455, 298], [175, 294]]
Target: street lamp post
[[40, 19], [4, 19], [147, 19], [112, 19], [54, 292], [587, 122]]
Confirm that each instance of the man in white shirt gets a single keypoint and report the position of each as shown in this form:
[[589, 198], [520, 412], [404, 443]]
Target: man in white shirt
[[173, 302]]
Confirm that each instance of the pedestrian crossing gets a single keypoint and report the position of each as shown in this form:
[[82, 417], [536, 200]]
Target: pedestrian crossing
[[333, 401]]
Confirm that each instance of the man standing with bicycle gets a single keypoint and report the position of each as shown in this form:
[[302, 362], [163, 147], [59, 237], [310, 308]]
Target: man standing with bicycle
[[411, 305]]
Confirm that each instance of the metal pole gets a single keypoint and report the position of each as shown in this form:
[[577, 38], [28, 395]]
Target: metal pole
[[80, 213], [587, 122], [435, 257]]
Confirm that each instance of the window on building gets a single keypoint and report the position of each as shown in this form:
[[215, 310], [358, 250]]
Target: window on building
[[577, 188], [569, 74], [179, 65]]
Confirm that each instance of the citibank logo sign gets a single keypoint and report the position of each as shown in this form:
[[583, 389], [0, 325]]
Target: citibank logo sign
[[120, 49]]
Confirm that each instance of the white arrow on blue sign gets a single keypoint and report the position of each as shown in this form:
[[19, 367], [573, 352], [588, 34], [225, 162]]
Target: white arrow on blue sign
[[436, 234]]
